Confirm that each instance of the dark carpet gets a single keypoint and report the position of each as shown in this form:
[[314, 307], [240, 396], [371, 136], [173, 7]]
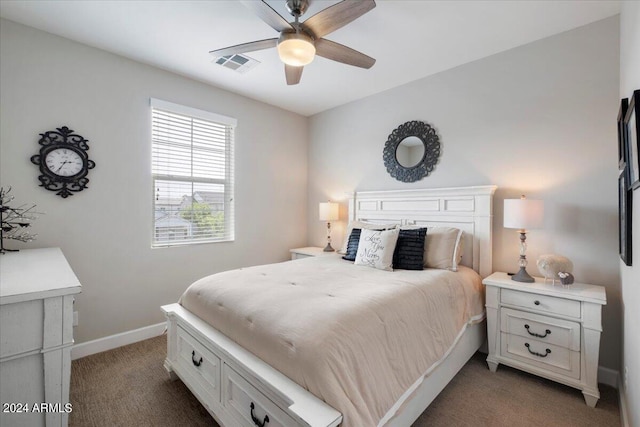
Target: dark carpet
[[129, 386]]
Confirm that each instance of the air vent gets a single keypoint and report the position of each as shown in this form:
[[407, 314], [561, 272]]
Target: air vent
[[238, 63]]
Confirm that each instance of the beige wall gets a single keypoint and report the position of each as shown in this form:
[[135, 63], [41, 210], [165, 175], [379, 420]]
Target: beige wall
[[538, 119], [105, 231], [630, 81]]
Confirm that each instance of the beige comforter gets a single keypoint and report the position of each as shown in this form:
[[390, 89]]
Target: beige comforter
[[354, 336]]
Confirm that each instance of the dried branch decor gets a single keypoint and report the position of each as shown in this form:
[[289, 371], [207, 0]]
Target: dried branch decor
[[15, 221]]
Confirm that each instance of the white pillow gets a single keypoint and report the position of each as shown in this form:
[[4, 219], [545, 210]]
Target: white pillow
[[376, 248], [363, 226], [443, 248]]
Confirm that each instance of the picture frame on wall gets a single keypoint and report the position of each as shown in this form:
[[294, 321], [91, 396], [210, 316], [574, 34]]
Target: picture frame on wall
[[625, 201], [632, 140], [622, 150]]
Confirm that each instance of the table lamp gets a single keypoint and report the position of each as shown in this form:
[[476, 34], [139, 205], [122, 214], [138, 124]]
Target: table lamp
[[523, 214], [329, 211]]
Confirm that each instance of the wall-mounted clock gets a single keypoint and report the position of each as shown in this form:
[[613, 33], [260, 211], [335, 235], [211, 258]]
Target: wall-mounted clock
[[63, 161]]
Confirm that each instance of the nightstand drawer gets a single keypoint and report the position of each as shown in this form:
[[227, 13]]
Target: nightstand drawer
[[541, 303], [542, 355], [563, 333]]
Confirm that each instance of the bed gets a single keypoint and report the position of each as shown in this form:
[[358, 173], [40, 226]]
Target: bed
[[264, 376]]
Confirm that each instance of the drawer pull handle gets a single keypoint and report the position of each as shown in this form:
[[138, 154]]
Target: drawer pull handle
[[257, 421], [193, 359], [535, 353], [536, 302], [546, 332]]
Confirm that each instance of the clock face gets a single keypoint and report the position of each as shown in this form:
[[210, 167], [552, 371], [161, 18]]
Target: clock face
[[64, 162]]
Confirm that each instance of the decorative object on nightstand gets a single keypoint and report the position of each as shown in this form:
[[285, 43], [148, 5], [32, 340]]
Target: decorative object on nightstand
[[523, 214], [329, 211], [14, 221], [550, 265], [546, 330], [566, 278]]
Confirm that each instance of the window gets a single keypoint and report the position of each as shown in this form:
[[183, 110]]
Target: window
[[192, 167]]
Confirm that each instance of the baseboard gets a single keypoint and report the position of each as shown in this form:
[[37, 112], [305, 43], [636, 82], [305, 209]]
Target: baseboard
[[114, 341], [625, 421], [608, 376]]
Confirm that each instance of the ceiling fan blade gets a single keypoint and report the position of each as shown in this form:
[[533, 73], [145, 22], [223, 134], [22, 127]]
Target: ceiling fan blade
[[341, 53], [337, 16], [268, 15], [245, 47], [293, 74]]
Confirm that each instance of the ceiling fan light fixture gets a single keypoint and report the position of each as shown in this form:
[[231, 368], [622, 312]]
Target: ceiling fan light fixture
[[296, 49]]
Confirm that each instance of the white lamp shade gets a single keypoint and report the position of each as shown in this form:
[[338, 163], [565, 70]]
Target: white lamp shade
[[523, 214], [329, 211], [296, 49]]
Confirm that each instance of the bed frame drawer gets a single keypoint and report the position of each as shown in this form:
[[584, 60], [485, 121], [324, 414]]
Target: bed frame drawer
[[541, 303], [244, 402], [199, 363]]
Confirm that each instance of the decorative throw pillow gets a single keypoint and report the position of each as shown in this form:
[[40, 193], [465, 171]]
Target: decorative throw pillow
[[352, 246], [361, 225], [409, 253], [443, 248], [376, 247]]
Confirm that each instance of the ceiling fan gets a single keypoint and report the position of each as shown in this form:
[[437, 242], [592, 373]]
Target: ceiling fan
[[299, 42]]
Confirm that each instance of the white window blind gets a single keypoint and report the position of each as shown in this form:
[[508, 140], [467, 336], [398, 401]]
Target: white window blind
[[192, 166]]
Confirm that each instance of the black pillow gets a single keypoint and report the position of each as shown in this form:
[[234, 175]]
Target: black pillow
[[409, 252], [352, 245]]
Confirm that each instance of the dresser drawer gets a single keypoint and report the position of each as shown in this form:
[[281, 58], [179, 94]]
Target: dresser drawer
[[541, 303], [243, 401], [543, 355], [21, 327], [563, 333], [199, 363]]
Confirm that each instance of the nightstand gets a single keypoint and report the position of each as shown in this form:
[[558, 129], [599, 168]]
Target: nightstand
[[311, 251], [548, 330]]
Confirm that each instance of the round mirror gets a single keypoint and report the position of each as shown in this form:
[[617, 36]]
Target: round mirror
[[410, 152]]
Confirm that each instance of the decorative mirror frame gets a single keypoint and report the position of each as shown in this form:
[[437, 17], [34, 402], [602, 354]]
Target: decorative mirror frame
[[425, 166]]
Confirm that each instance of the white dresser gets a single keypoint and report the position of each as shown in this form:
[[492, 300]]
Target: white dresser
[[549, 330], [36, 334]]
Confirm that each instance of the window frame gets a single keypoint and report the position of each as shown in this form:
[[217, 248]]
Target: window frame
[[228, 182]]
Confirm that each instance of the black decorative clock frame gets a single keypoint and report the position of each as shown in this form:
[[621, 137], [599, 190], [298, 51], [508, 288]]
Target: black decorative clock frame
[[425, 166], [63, 140]]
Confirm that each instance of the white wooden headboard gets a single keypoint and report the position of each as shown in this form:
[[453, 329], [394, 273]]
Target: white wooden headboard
[[467, 208]]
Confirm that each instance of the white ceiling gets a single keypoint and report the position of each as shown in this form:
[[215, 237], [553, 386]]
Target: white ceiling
[[409, 39]]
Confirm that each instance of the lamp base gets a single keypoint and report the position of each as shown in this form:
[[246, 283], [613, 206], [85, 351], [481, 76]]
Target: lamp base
[[522, 276], [328, 248]]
